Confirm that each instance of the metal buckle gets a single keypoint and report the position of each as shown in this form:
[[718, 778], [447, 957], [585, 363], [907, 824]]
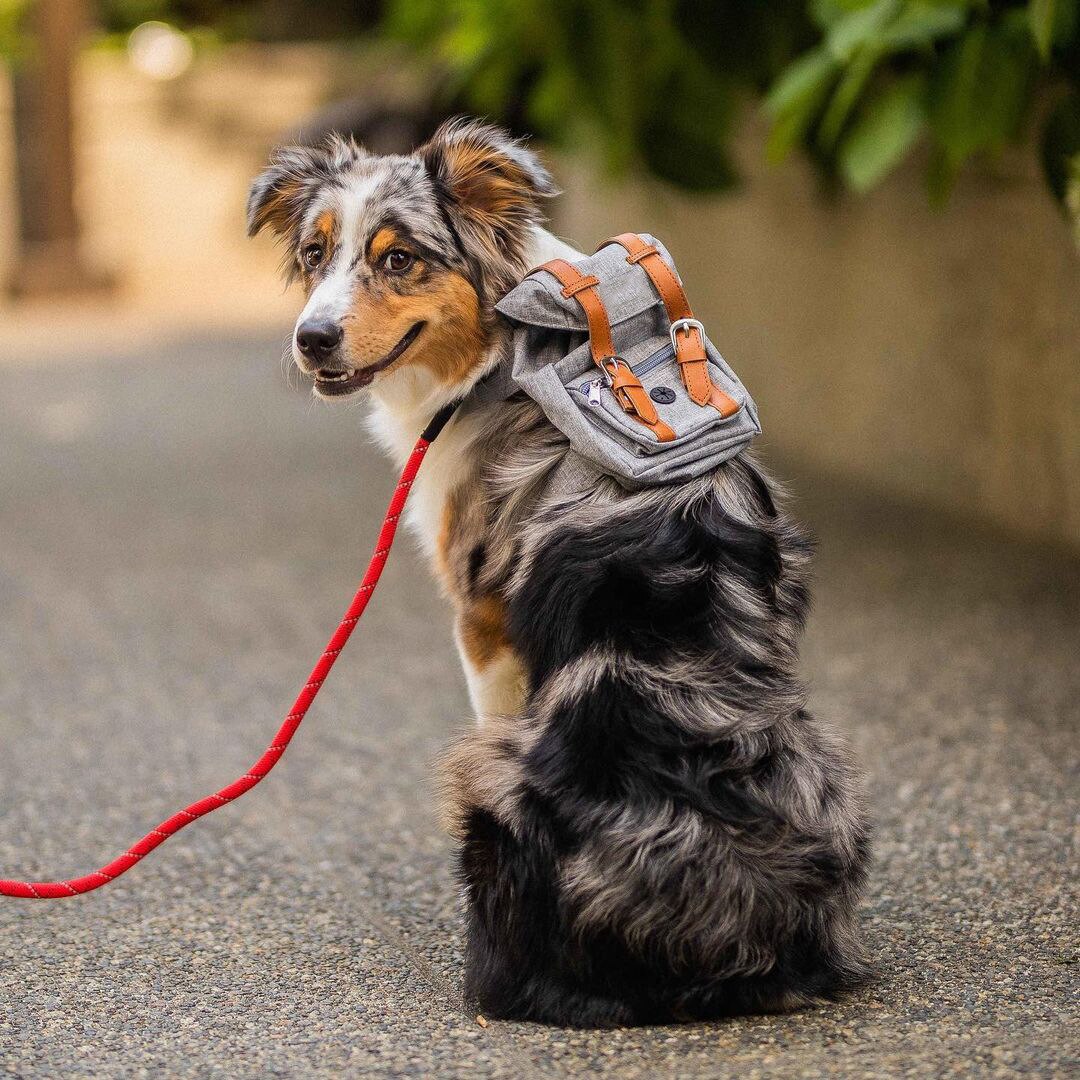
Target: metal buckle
[[685, 324], [616, 360], [621, 396]]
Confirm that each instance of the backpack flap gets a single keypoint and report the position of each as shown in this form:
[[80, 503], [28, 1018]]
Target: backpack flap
[[634, 417]]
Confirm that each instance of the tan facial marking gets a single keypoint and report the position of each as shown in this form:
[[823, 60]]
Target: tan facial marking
[[384, 240], [325, 224], [452, 342], [457, 341]]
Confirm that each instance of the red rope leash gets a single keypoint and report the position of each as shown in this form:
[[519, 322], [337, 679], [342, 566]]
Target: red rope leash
[[53, 890]]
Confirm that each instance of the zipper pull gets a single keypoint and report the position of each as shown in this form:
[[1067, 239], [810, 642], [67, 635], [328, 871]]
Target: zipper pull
[[594, 392]]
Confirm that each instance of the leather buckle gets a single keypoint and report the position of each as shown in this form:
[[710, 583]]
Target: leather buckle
[[687, 325], [619, 391], [615, 361]]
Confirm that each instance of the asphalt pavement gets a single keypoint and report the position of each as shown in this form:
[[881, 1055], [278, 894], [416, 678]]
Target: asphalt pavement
[[179, 532]]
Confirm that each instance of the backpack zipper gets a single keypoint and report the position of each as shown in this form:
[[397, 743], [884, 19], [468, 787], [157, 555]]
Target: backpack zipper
[[643, 367], [592, 389]]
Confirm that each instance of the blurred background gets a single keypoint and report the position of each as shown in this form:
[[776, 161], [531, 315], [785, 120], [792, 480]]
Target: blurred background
[[876, 207], [876, 202]]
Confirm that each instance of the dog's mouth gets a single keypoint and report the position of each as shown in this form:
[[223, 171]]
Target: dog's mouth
[[335, 382]]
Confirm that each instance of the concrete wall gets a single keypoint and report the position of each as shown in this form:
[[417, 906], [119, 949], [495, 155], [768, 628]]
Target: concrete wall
[[932, 355]]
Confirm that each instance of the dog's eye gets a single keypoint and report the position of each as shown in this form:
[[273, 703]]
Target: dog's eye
[[312, 256], [397, 261]]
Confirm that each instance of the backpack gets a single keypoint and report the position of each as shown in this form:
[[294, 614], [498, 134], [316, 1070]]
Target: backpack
[[612, 353]]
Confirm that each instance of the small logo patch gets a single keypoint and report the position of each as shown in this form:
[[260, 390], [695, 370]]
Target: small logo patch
[[662, 394]]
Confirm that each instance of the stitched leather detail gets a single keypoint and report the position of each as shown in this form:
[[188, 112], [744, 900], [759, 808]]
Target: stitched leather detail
[[587, 282], [689, 346], [624, 381], [634, 398], [583, 289], [625, 385], [662, 432], [723, 403]]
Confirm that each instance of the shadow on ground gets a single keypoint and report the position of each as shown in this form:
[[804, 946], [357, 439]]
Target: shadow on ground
[[178, 534]]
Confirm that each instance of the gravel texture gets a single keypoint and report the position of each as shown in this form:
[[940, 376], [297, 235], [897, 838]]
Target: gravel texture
[[179, 533]]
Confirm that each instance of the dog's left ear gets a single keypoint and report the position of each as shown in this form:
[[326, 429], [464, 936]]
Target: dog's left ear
[[489, 182], [284, 189]]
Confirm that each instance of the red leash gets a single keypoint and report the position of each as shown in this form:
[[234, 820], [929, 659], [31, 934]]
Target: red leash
[[53, 890]]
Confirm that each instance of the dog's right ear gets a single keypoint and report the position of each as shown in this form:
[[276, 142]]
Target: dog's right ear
[[285, 188]]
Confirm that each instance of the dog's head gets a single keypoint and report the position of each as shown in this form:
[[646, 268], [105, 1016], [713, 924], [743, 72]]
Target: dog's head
[[402, 257]]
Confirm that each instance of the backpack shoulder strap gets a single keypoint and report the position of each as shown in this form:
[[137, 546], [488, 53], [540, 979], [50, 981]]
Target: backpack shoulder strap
[[686, 331], [583, 289], [625, 385]]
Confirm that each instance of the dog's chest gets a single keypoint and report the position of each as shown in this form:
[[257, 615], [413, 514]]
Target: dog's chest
[[448, 468]]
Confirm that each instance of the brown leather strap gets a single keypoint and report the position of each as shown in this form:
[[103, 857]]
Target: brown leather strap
[[689, 344], [625, 385], [627, 388], [583, 290]]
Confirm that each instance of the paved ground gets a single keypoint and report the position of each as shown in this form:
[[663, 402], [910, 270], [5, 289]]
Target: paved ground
[[178, 533]]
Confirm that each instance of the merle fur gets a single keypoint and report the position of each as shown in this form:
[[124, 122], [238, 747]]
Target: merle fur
[[744, 899]]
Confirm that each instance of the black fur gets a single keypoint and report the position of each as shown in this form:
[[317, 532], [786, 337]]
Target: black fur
[[651, 589]]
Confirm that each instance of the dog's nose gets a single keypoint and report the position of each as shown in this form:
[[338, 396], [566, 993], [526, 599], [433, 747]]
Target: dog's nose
[[318, 338]]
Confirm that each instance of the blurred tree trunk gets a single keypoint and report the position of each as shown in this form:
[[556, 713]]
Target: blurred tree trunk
[[48, 257]]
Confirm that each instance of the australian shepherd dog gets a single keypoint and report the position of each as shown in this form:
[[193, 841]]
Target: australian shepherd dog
[[651, 826]]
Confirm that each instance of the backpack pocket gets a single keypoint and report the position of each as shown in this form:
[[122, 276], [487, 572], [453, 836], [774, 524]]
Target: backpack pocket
[[653, 362]]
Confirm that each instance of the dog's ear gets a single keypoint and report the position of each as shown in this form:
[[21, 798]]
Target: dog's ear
[[284, 189], [489, 182]]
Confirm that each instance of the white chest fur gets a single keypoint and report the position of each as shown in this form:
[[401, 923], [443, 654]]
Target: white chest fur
[[404, 404]]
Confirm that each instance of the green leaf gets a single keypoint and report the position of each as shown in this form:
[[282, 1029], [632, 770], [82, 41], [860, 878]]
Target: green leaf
[[1041, 13], [981, 91], [1052, 24], [845, 96], [796, 99], [826, 13], [921, 23], [883, 134], [805, 78], [860, 28]]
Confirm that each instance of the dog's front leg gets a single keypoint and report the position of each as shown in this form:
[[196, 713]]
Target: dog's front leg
[[493, 670]]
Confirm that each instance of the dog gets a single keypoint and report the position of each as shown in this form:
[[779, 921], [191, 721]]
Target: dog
[[652, 827]]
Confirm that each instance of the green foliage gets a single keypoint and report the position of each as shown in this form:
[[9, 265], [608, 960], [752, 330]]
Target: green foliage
[[656, 85], [855, 84], [883, 133], [1061, 144], [646, 83], [12, 39], [961, 75]]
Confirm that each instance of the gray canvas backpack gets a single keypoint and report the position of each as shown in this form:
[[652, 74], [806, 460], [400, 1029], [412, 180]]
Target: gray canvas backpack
[[612, 353]]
